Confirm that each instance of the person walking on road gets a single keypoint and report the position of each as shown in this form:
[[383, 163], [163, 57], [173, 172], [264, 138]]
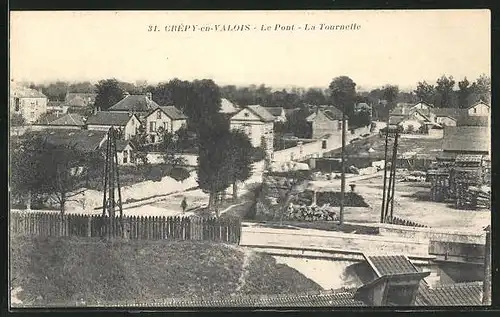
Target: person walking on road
[[184, 205]]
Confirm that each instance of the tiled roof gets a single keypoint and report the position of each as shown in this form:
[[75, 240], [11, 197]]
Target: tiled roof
[[275, 111], [466, 138], [25, 92], [46, 118], [84, 140], [109, 118], [173, 113], [323, 299], [70, 119], [139, 103], [390, 264], [89, 95], [333, 113], [478, 103], [478, 121], [261, 112], [459, 294]]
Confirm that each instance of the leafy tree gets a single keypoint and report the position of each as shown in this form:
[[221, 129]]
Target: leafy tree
[[297, 124], [239, 158], [17, 120], [343, 94], [444, 90], [464, 90], [481, 89], [140, 140], [45, 168], [169, 147], [109, 92], [56, 91], [314, 97], [82, 87], [213, 174], [425, 91]]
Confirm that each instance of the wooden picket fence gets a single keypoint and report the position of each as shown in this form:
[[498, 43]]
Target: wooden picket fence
[[225, 230]]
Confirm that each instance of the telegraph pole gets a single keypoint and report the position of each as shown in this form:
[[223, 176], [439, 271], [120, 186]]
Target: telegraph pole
[[342, 179], [487, 268], [382, 211]]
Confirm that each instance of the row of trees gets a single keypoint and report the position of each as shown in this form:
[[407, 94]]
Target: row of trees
[[444, 95], [42, 169]]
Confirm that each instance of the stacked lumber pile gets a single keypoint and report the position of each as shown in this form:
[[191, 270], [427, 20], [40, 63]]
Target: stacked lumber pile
[[465, 177], [486, 164], [480, 196], [440, 184]]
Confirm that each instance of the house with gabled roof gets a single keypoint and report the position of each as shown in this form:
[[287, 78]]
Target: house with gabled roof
[[139, 104], [480, 108], [127, 123], [164, 119], [79, 99], [325, 120], [67, 121], [257, 123], [27, 102]]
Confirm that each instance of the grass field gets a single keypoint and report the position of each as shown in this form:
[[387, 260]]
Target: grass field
[[91, 271]]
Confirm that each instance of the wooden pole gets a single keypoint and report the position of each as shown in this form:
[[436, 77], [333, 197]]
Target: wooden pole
[[487, 268], [382, 211], [394, 159], [106, 166], [118, 183], [342, 179]]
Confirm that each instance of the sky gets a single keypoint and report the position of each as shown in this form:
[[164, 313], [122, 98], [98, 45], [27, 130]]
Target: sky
[[390, 47]]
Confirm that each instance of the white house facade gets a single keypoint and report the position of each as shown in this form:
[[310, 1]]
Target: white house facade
[[169, 119], [257, 123], [29, 103], [479, 109], [103, 120]]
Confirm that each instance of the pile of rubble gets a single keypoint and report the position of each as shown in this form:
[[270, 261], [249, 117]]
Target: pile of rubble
[[311, 213]]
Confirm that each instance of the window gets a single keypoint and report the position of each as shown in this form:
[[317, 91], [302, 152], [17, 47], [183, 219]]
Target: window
[[246, 114], [323, 144], [474, 110], [125, 156], [158, 115], [165, 128], [16, 102], [36, 102], [339, 125], [152, 126]]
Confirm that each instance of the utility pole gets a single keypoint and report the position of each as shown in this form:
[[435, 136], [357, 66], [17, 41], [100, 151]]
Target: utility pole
[[342, 166], [487, 268], [382, 211], [111, 181]]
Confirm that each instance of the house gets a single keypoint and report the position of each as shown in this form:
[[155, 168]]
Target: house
[[83, 140], [479, 109], [169, 119], [257, 123], [422, 105], [68, 121], [125, 152], [27, 102], [278, 113], [56, 107], [327, 120], [227, 107], [449, 116], [141, 105], [466, 140], [104, 120], [79, 100]]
